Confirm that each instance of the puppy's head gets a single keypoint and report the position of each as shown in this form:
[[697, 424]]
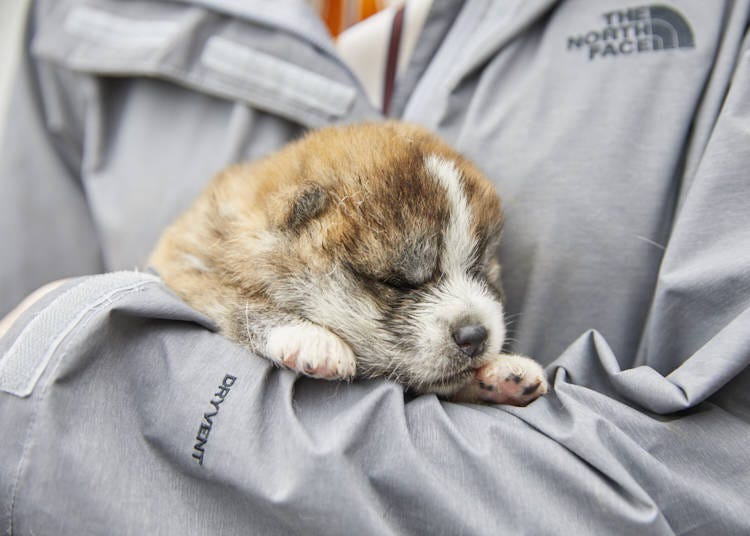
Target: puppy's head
[[380, 233], [388, 239]]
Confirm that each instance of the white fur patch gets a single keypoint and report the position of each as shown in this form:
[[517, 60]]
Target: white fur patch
[[459, 242], [311, 350], [457, 298]]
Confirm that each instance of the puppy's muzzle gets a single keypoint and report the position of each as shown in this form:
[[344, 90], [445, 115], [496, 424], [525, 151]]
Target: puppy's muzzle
[[470, 339]]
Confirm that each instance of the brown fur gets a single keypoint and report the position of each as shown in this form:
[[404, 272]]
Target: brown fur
[[359, 168], [347, 208]]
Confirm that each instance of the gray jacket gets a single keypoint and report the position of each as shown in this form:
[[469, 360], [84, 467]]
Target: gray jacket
[[619, 139]]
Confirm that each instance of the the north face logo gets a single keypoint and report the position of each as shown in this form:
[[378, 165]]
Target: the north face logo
[[635, 30]]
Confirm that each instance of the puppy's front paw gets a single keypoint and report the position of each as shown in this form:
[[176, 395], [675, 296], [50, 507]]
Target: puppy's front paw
[[505, 379], [311, 350]]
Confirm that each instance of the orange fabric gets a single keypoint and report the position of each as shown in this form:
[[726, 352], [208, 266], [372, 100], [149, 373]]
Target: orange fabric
[[368, 8], [332, 11], [340, 14]]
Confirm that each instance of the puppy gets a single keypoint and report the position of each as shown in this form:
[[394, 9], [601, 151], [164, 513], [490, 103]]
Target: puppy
[[361, 251]]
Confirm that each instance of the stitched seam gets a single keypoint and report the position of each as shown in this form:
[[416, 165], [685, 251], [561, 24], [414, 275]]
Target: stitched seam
[[51, 325], [254, 95], [110, 298], [265, 97], [311, 89]]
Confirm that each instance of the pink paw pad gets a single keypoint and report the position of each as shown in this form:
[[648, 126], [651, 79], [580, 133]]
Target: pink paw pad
[[506, 379]]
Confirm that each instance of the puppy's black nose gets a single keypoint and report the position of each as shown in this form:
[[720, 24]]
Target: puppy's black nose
[[470, 339]]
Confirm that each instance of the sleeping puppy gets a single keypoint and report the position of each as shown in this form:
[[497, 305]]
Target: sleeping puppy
[[361, 251]]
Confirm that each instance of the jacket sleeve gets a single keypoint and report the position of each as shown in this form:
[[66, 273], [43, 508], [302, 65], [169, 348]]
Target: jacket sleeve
[[145, 421], [45, 225]]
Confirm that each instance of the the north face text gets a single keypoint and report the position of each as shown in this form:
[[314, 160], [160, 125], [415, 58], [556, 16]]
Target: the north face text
[[635, 30]]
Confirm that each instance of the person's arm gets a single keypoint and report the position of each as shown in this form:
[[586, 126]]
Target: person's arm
[[46, 231], [133, 415], [129, 416]]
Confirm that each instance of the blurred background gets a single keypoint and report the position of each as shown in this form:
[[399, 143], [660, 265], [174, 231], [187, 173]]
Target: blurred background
[[11, 21]]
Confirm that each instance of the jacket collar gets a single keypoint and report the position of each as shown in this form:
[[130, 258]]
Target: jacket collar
[[497, 24], [482, 28]]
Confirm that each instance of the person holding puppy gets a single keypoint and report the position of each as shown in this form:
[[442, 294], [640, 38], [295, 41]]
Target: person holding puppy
[[616, 136]]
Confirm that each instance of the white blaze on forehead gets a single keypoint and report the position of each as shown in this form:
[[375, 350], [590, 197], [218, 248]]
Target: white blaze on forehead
[[459, 242]]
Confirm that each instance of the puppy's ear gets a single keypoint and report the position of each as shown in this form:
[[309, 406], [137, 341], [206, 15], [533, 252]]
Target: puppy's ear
[[307, 203]]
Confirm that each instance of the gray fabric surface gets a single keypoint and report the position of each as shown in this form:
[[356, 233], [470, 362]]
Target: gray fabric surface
[[108, 442], [626, 264]]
